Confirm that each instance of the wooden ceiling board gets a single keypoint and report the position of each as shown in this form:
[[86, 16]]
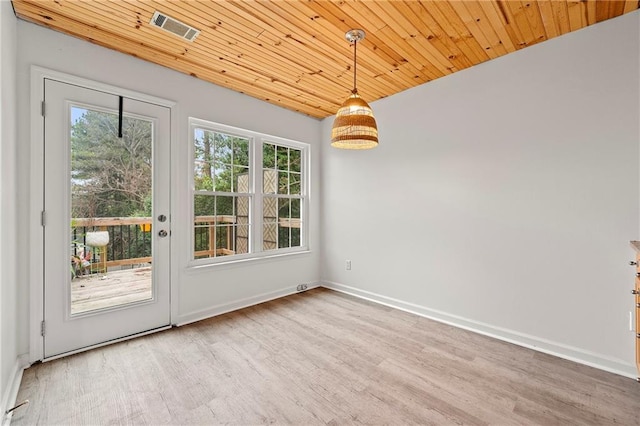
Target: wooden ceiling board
[[255, 58], [258, 57], [447, 60], [307, 32], [551, 26], [321, 65], [535, 22], [446, 15], [629, 6], [483, 28], [434, 33], [338, 50], [406, 32], [293, 54], [498, 22], [373, 53], [235, 78], [591, 12], [515, 12], [577, 16]]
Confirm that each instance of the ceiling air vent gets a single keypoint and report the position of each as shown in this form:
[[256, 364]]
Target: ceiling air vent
[[174, 26]]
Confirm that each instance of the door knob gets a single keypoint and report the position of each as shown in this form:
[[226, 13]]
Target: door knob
[[162, 233]]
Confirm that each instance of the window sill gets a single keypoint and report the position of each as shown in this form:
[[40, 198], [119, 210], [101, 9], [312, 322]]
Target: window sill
[[194, 268]]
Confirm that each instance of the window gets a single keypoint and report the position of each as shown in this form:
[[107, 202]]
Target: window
[[249, 194]]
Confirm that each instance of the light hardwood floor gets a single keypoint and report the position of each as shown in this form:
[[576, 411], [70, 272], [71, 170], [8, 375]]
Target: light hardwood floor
[[322, 357]]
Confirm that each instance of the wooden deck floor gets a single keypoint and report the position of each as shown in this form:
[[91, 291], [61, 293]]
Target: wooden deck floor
[[99, 291]]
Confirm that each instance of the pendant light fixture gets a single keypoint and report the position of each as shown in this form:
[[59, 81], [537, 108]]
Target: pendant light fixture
[[355, 126]]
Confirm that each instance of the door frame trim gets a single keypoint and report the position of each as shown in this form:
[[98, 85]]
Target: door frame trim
[[36, 193]]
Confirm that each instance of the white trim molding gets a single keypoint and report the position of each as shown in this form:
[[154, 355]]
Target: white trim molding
[[560, 350], [11, 393], [254, 191], [36, 246], [239, 304]]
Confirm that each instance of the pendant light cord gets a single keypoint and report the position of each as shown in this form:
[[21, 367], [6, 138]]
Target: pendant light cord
[[355, 46]]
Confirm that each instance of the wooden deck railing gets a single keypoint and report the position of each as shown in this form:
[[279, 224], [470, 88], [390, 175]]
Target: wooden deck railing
[[206, 226], [130, 237]]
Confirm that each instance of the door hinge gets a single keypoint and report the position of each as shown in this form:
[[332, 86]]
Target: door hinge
[[43, 217], [43, 108], [42, 329]]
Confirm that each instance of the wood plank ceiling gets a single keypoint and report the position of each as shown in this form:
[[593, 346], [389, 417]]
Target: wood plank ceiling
[[293, 53]]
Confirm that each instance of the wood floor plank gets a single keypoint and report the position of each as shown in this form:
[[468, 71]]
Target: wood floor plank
[[321, 357]]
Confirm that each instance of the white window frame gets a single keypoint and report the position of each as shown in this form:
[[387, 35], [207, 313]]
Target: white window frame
[[256, 141]]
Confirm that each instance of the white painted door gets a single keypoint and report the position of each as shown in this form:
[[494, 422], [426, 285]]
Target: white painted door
[[106, 217]]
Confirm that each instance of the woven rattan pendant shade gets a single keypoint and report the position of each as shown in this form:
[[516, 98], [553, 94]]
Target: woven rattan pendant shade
[[355, 126]]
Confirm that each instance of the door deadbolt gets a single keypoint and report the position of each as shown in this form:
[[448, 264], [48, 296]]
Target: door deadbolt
[[162, 218]]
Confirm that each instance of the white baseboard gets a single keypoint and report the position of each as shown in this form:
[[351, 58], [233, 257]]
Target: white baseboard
[[11, 393], [238, 304], [560, 350]]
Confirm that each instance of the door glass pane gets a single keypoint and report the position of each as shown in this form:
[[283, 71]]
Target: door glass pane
[[111, 201]]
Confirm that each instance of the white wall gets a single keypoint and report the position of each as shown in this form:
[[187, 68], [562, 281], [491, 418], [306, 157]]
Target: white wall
[[503, 198], [9, 280], [205, 291]]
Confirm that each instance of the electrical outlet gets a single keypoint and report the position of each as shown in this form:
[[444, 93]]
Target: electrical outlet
[[301, 287], [348, 265]]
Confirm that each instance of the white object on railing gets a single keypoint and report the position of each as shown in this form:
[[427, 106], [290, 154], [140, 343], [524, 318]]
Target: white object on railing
[[97, 238]]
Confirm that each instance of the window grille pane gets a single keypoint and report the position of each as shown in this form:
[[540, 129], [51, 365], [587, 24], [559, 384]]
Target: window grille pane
[[204, 205], [223, 147], [270, 223], [225, 206], [221, 225], [283, 237], [270, 236], [269, 181], [242, 239], [241, 177], [295, 237], [201, 241], [204, 208], [283, 183], [295, 208], [295, 160], [224, 239], [283, 158], [223, 177], [270, 209], [295, 183], [224, 166], [284, 206], [284, 222], [241, 152], [268, 156]]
